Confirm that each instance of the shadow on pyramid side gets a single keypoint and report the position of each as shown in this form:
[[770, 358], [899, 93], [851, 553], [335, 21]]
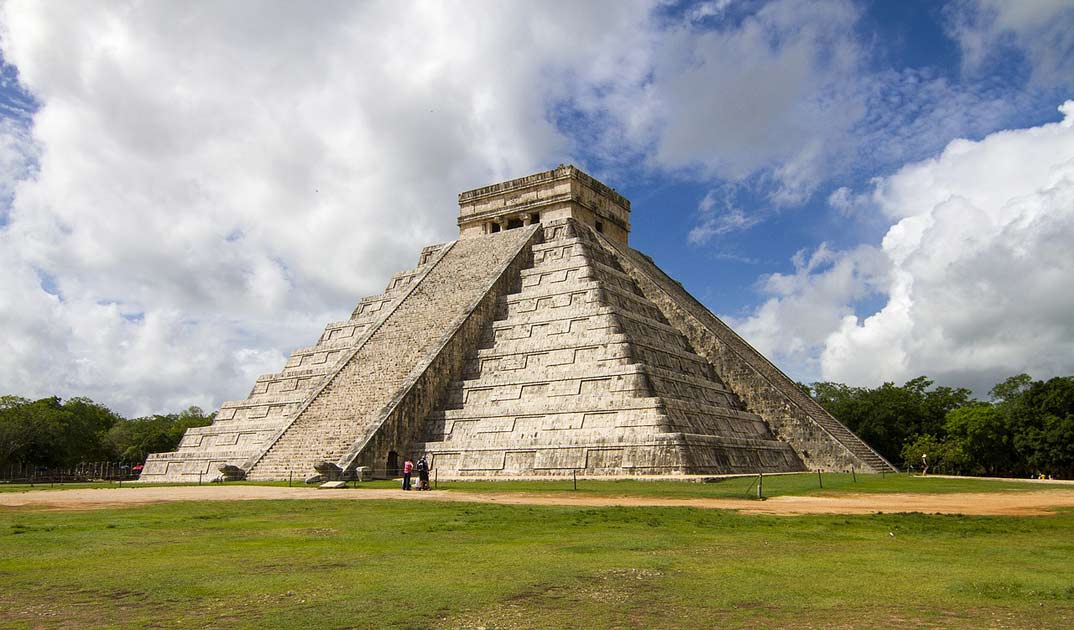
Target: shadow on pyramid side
[[538, 344]]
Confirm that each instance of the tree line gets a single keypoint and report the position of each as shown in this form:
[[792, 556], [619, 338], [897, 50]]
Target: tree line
[[1025, 429], [54, 433]]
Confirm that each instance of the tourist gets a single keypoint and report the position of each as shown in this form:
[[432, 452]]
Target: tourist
[[423, 474], [408, 467]]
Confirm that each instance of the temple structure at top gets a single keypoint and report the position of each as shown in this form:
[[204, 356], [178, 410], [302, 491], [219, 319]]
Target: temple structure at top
[[538, 344], [561, 193]]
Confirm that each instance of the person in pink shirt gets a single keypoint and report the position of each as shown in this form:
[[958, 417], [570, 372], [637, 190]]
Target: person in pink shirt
[[408, 467]]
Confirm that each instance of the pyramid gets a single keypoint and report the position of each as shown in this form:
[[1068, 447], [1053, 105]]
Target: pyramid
[[537, 344]]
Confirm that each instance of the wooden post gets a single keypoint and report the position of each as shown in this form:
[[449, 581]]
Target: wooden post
[[760, 485], [290, 477], [574, 473], [854, 475], [820, 479]]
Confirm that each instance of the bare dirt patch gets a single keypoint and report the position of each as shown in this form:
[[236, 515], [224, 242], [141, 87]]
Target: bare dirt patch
[[985, 503]]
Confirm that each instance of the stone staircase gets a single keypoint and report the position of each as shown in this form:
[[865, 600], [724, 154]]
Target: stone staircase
[[243, 428], [581, 372], [347, 409], [821, 440]]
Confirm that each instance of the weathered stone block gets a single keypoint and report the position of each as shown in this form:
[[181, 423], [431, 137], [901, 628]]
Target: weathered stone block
[[230, 472]]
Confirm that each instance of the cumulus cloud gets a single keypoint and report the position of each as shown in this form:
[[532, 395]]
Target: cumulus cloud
[[202, 188], [18, 155], [785, 99], [191, 192], [759, 95], [1042, 31], [804, 307], [719, 214], [975, 271]]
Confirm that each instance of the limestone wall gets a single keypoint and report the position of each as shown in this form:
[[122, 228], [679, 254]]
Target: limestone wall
[[818, 438], [243, 429], [350, 406], [561, 193], [401, 423], [580, 372]]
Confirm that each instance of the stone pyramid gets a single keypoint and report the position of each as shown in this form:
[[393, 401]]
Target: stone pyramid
[[538, 344]]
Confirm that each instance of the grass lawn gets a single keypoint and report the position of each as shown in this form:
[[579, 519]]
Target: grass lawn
[[732, 487], [774, 485], [392, 564], [25, 487]]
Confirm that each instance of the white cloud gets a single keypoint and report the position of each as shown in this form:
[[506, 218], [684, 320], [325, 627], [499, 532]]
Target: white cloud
[[843, 200], [709, 9], [719, 214], [214, 184], [976, 270], [18, 154], [787, 99], [770, 94], [1042, 30], [803, 308], [201, 189]]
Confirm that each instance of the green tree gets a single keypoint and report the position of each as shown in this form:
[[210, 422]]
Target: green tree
[[87, 426], [984, 434], [43, 423], [889, 416], [1042, 420], [944, 455], [52, 433], [16, 431], [133, 440], [1011, 388]]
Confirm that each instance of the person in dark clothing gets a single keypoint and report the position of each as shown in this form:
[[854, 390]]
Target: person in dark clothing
[[423, 473]]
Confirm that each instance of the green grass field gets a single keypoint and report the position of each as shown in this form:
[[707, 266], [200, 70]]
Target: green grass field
[[745, 487], [25, 487], [732, 487], [391, 564]]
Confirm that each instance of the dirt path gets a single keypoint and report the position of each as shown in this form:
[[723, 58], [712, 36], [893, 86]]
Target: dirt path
[[1008, 503]]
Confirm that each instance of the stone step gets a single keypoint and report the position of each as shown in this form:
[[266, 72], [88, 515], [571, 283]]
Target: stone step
[[340, 415], [313, 364], [544, 406], [568, 438], [577, 294], [761, 384], [507, 348], [342, 331]]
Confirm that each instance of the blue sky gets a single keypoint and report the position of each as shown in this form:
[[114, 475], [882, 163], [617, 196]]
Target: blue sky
[[867, 191]]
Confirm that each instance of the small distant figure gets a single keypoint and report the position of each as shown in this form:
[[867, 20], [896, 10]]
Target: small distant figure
[[924, 464], [423, 473], [408, 467]]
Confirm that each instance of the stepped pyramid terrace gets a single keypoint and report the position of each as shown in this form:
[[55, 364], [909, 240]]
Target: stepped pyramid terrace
[[537, 344]]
